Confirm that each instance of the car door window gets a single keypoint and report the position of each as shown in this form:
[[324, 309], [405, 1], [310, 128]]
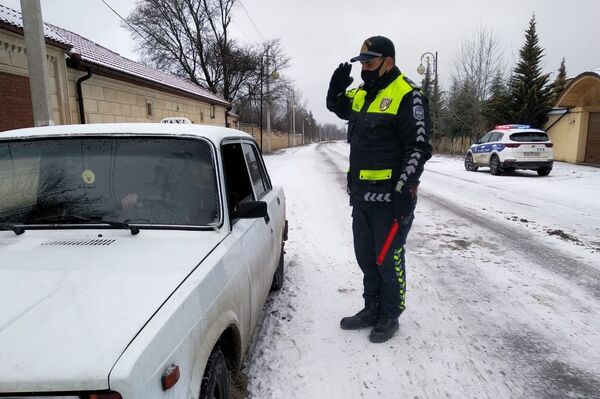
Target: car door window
[[485, 138], [495, 137], [256, 169], [237, 178]]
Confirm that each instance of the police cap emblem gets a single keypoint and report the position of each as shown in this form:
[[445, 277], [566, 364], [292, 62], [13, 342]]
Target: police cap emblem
[[385, 104]]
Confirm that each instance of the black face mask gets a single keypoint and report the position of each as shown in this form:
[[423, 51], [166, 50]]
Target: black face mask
[[370, 77]]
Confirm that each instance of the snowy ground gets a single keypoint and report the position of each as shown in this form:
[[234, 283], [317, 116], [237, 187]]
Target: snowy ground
[[503, 288]]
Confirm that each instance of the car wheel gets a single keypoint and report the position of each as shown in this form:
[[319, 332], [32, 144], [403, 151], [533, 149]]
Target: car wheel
[[217, 377], [469, 164], [544, 171], [279, 273], [495, 168]]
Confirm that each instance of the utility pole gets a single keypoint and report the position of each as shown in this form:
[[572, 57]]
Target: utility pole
[[33, 29], [268, 76], [293, 121]]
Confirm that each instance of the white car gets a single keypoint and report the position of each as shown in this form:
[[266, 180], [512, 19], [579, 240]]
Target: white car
[[511, 147], [135, 259]]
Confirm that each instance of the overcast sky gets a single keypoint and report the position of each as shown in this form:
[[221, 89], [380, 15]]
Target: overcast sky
[[319, 34]]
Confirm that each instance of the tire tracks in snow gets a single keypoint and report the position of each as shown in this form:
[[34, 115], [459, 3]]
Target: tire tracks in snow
[[527, 245]]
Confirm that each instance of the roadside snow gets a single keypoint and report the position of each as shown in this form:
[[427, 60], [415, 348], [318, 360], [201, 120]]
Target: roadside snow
[[497, 306]]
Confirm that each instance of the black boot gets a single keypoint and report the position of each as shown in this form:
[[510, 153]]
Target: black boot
[[384, 330], [367, 317]]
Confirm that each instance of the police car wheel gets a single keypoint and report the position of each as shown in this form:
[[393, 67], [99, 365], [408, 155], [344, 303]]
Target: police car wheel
[[495, 167], [469, 164], [544, 171]]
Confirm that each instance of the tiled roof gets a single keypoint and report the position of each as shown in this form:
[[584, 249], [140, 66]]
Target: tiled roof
[[93, 53], [14, 19]]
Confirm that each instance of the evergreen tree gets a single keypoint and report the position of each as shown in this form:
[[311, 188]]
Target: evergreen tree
[[560, 83], [496, 108], [530, 94]]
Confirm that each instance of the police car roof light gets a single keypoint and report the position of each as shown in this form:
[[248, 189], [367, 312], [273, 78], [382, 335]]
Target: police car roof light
[[506, 127]]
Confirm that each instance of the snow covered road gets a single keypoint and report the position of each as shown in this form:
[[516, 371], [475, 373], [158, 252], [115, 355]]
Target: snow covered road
[[503, 290]]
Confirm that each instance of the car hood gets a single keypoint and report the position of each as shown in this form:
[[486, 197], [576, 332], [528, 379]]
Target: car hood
[[71, 302]]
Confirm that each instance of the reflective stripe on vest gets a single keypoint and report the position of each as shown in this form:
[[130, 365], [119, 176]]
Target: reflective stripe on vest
[[387, 100], [384, 174]]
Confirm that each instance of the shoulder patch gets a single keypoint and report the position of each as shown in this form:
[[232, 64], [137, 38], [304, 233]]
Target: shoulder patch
[[418, 112]]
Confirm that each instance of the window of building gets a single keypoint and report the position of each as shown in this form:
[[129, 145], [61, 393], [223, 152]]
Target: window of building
[[149, 108]]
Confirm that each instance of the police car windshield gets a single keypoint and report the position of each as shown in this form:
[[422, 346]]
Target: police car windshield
[[137, 180], [529, 136]]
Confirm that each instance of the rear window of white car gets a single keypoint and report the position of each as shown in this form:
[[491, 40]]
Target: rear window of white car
[[529, 136]]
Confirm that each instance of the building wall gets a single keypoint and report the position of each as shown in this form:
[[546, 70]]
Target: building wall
[[105, 99], [110, 100], [569, 135], [15, 102], [13, 66]]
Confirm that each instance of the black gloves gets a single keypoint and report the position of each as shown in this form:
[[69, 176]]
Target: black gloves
[[341, 79], [405, 201]]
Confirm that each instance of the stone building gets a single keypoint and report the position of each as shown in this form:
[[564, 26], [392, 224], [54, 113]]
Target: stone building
[[574, 123], [89, 83]]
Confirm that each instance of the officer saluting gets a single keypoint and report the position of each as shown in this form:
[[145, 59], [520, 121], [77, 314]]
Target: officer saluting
[[388, 131]]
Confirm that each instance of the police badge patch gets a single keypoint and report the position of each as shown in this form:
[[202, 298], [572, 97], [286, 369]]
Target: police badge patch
[[419, 112], [385, 104]]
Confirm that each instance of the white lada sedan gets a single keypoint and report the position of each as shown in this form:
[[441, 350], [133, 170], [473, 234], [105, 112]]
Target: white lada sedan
[[511, 147], [135, 259]]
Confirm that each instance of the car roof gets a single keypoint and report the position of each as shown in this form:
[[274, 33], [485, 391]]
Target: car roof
[[216, 134]]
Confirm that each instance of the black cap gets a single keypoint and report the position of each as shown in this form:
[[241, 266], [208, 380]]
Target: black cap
[[376, 46]]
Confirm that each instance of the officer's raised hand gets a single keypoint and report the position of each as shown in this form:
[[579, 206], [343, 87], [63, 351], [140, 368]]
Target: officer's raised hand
[[341, 79], [405, 200]]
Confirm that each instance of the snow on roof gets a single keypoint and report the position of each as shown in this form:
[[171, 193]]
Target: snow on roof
[[14, 19], [93, 53]]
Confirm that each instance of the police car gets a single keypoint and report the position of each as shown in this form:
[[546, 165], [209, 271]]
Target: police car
[[511, 147]]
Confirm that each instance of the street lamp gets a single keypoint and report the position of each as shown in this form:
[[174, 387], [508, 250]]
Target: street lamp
[[421, 70]]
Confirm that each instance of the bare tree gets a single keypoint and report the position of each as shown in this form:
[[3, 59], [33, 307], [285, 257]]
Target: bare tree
[[191, 39], [477, 66], [478, 60]]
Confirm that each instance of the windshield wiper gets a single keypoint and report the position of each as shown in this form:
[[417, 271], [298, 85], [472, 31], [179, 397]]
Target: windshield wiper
[[66, 218], [8, 226]]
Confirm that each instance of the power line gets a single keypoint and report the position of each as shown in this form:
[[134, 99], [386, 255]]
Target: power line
[[252, 21], [122, 19]]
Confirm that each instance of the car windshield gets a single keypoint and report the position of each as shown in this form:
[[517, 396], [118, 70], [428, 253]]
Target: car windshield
[[529, 136], [141, 180]]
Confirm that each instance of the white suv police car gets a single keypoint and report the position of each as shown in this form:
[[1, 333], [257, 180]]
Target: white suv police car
[[511, 147]]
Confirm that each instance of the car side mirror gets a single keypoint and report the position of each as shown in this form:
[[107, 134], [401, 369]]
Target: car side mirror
[[250, 210]]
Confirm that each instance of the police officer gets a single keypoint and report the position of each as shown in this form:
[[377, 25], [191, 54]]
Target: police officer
[[388, 131]]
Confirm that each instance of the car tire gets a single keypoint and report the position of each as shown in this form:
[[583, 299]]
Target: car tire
[[279, 273], [216, 382], [544, 171], [469, 164], [495, 167]]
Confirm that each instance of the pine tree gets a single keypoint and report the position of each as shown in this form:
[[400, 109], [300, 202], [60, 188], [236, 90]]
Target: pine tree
[[530, 94], [560, 83], [496, 108]]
